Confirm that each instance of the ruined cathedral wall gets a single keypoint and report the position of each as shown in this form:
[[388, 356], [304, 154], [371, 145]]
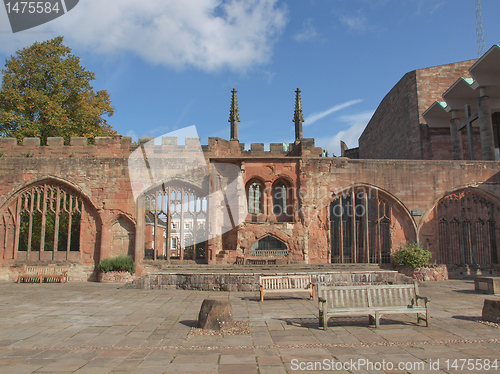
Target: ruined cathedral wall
[[412, 188], [99, 173]]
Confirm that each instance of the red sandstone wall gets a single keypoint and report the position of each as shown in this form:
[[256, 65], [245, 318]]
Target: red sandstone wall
[[391, 132], [394, 130], [410, 185], [103, 179]]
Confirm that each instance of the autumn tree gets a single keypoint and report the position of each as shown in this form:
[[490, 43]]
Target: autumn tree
[[45, 92]]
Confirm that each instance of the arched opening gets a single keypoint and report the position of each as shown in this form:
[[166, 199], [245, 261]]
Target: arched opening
[[122, 237], [255, 197], [365, 226], [175, 222], [49, 221], [467, 229], [268, 246], [282, 201]]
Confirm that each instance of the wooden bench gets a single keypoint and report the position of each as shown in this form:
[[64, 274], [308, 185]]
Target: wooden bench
[[288, 283], [374, 300], [254, 261], [39, 274]]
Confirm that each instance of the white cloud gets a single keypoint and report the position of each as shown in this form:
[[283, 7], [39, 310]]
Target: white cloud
[[206, 34], [133, 135], [309, 120], [355, 22], [307, 33], [356, 123]]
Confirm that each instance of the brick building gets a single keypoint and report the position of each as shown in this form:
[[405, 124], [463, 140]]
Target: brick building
[[413, 120], [81, 203]]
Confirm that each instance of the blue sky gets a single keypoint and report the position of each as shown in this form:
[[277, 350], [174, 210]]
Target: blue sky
[[169, 64]]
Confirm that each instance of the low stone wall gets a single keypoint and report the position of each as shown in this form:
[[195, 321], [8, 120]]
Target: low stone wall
[[426, 273], [250, 281], [470, 271], [77, 272], [116, 277]]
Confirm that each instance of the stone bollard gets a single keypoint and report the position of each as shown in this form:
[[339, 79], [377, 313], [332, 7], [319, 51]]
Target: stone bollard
[[215, 314], [491, 310]]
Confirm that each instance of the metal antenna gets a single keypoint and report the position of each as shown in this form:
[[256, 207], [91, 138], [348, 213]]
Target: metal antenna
[[479, 29]]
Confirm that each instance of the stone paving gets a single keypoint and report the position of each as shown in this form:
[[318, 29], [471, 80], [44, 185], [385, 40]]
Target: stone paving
[[107, 328]]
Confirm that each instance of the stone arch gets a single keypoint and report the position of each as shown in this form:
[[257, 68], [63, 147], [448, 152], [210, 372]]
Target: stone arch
[[257, 233], [367, 225], [7, 232], [48, 179], [283, 199], [462, 228], [53, 219], [122, 236], [255, 190], [269, 242], [173, 221]]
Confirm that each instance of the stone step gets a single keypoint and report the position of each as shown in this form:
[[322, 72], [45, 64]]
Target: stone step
[[247, 278]]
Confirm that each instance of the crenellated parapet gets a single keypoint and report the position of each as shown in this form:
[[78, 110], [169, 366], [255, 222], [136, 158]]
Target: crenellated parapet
[[120, 146]]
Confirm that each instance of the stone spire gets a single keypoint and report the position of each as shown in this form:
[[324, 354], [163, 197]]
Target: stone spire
[[234, 115], [298, 118]]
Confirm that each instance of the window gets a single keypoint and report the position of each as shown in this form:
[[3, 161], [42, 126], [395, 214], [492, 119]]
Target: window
[[187, 225], [268, 243], [255, 195], [360, 225], [50, 219], [279, 199], [282, 201], [269, 246], [467, 229], [173, 242]]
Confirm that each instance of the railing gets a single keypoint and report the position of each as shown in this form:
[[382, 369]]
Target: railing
[[269, 253]]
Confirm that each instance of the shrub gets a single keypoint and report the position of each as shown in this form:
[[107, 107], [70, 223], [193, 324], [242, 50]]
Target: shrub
[[412, 255], [118, 263]]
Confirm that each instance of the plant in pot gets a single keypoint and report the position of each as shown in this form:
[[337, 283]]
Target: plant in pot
[[117, 268], [412, 255], [413, 260]]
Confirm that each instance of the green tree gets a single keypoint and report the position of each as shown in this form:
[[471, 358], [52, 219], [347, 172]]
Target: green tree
[[45, 92]]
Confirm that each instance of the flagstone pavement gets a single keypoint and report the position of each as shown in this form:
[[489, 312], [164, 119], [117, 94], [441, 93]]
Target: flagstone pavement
[[100, 328]]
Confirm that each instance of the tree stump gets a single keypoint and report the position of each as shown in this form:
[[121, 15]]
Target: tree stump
[[491, 310], [215, 314]]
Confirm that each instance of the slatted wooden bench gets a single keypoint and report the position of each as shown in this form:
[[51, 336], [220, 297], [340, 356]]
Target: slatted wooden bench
[[288, 283], [374, 300], [39, 274]]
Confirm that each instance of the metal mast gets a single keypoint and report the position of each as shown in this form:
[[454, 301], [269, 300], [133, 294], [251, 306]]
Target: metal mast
[[479, 29]]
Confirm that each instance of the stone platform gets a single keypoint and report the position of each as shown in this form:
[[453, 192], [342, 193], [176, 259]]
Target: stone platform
[[246, 278]]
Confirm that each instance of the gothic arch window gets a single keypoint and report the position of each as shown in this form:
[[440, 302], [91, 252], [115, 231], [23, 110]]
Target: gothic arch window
[[282, 200], [267, 245], [255, 197], [48, 220], [467, 229], [175, 222], [360, 228]]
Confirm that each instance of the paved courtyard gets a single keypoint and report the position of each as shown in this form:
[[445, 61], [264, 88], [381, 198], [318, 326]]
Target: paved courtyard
[[106, 328]]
